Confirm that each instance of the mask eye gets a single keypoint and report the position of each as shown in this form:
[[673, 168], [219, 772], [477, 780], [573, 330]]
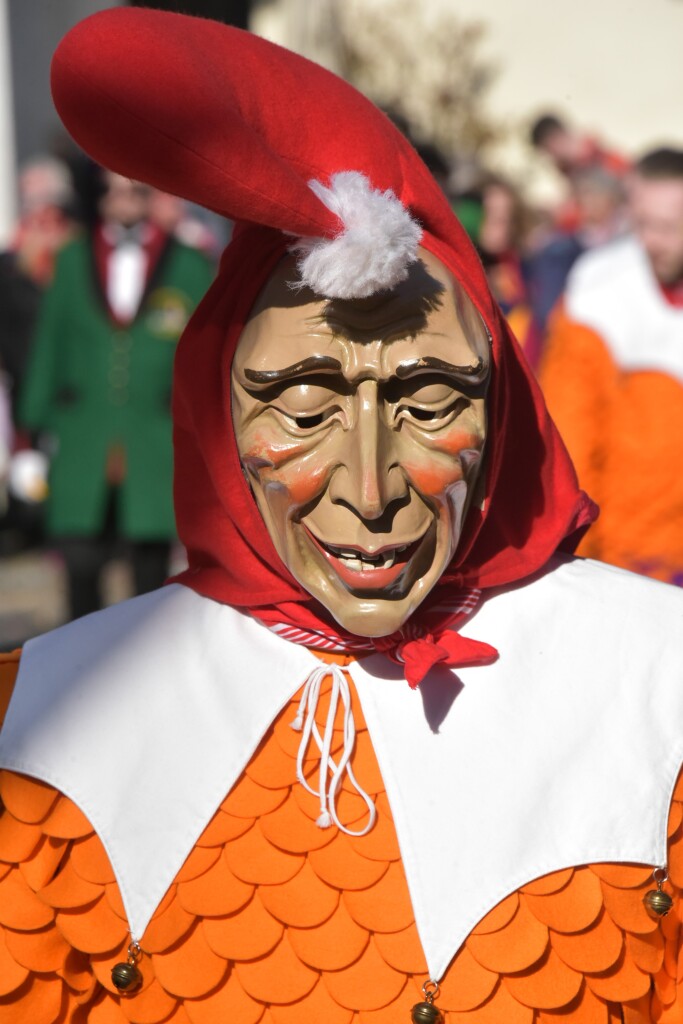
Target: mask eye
[[425, 414], [439, 417], [308, 422]]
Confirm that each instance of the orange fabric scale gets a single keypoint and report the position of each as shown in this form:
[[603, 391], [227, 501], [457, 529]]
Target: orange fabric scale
[[274, 920], [583, 385]]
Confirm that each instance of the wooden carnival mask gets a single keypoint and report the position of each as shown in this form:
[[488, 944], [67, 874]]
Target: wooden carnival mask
[[361, 425]]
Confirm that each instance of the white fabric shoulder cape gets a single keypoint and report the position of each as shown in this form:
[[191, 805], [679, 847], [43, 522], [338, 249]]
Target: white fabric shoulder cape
[[613, 291], [563, 752]]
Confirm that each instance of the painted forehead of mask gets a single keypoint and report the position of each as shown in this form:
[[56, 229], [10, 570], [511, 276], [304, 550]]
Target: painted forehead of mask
[[429, 305]]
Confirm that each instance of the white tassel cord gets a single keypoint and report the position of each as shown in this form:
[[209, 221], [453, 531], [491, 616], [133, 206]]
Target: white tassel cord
[[306, 724]]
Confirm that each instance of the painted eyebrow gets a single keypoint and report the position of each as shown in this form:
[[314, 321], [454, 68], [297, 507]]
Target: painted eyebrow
[[326, 364], [314, 364], [473, 373]]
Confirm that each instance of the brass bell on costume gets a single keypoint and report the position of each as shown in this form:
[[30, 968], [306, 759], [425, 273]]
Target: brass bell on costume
[[425, 1012], [126, 976], [657, 902]]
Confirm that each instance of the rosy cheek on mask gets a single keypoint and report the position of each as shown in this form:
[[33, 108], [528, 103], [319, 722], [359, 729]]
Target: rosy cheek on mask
[[262, 451], [431, 478], [456, 441], [305, 481], [286, 466], [302, 481]]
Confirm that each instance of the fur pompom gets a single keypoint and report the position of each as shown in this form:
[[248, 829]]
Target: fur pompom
[[373, 251]]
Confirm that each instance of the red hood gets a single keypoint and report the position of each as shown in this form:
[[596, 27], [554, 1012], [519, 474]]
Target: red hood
[[239, 125], [532, 500]]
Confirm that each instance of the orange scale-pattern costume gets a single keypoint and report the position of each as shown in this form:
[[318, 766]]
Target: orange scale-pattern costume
[[613, 418], [272, 920]]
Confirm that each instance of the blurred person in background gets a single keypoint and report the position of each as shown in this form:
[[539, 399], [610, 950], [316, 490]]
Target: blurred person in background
[[613, 377], [46, 220], [438, 164], [573, 152], [600, 202], [500, 239], [495, 217], [200, 229], [99, 385]]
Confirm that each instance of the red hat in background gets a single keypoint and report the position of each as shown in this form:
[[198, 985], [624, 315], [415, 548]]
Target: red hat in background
[[299, 159]]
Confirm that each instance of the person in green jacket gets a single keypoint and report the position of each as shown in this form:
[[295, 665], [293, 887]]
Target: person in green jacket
[[99, 385]]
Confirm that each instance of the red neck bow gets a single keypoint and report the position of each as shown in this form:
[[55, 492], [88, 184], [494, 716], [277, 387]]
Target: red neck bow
[[418, 647]]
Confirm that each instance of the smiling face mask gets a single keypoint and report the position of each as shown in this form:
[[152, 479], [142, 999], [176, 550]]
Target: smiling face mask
[[360, 425]]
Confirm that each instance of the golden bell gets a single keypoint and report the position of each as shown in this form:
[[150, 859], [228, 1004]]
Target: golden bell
[[657, 903], [126, 977], [426, 1013]]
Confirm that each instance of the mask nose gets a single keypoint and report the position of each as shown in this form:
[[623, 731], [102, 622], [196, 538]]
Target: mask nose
[[368, 478]]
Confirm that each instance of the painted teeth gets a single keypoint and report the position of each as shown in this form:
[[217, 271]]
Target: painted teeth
[[362, 563]]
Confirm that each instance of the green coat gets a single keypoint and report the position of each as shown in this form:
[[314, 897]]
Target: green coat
[[94, 385]]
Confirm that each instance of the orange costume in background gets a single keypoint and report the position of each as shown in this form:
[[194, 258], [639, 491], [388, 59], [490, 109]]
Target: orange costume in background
[[273, 919], [612, 376]]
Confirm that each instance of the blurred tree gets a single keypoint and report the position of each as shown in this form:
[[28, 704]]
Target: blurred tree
[[424, 63], [309, 28]]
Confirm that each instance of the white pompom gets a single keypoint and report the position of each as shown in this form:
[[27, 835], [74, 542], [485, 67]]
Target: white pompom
[[372, 253]]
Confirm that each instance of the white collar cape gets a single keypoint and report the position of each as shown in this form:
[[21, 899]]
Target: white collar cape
[[563, 752], [612, 290]]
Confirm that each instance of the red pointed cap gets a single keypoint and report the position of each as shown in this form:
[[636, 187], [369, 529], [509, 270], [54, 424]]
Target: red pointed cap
[[171, 100], [248, 129]]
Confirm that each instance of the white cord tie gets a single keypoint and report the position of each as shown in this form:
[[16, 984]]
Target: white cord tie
[[305, 723]]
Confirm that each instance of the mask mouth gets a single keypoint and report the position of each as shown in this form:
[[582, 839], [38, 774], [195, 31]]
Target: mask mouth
[[364, 561], [360, 569]]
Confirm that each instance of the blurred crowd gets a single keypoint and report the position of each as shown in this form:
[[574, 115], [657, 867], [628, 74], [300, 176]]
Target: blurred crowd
[[528, 250], [103, 273], [593, 290], [96, 288]]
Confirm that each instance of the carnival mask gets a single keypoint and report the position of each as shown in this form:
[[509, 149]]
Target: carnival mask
[[360, 425]]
